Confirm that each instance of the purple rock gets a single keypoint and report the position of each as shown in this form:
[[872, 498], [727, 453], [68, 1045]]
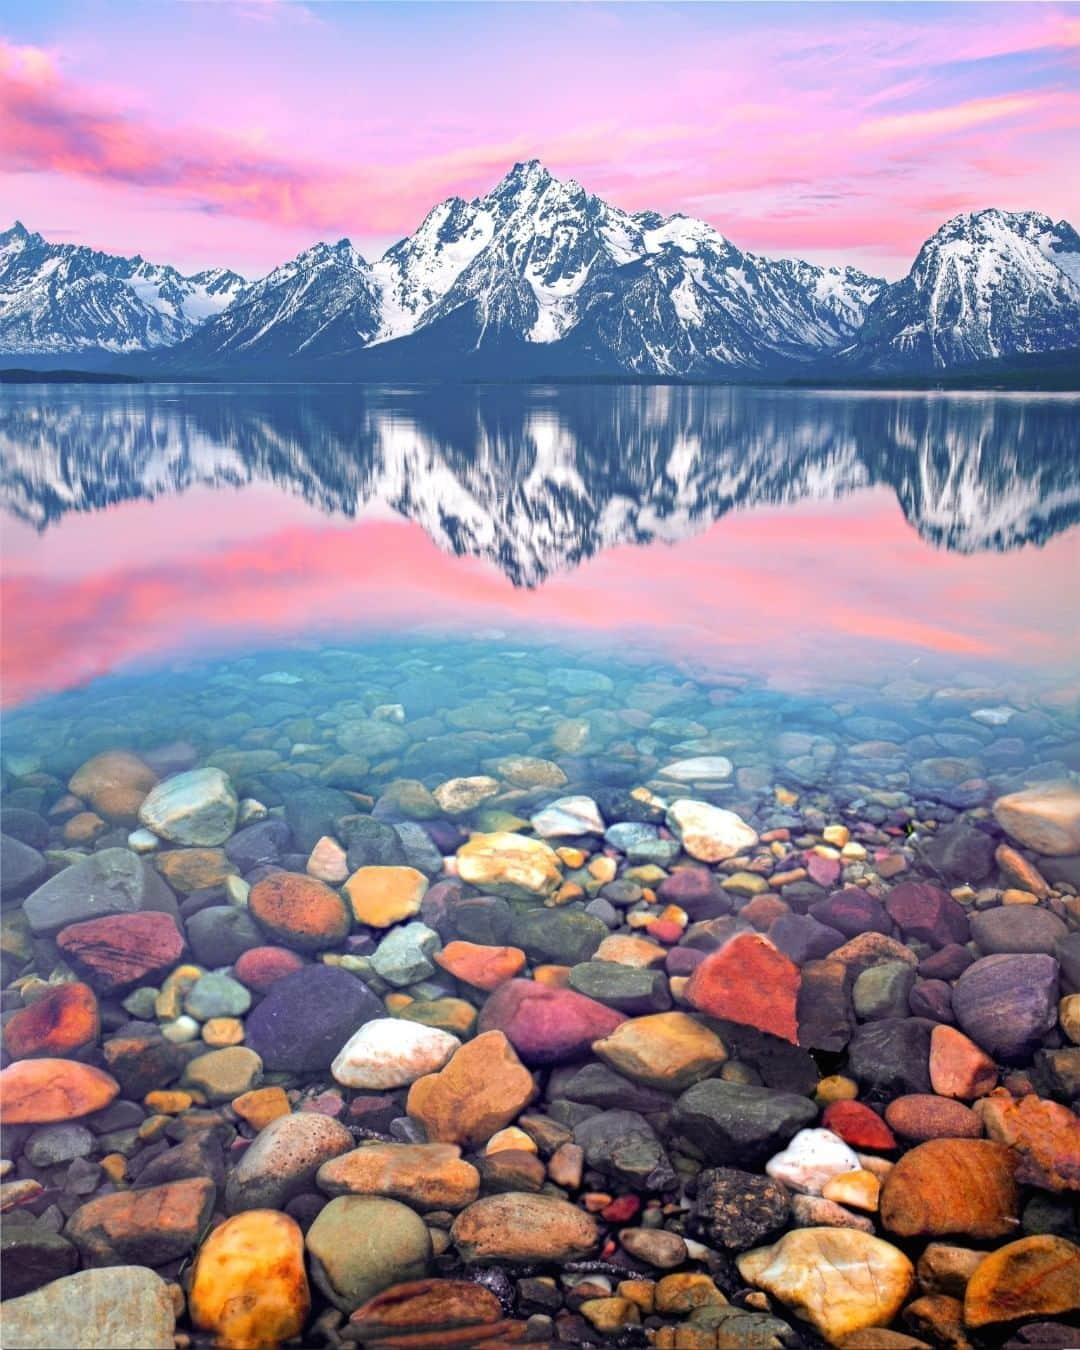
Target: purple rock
[[952, 960], [1007, 1004], [803, 938], [825, 871], [695, 890], [927, 913], [263, 842], [933, 999], [547, 1025], [307, 1017], [852, 912], [683, 960]]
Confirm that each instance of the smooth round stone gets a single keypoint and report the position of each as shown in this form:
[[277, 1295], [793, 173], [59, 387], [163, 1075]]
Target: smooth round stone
[[22, 867], [283, 1159], [546, 1025], [41, 1091], [568, 817], [61, 1021], [459, 796], [839, 1280], [811, 1159], [307, 1017], [388, 1053], [1033, 1277], [1007, 1004], [124, 1307], [922, 1116], [114, 783], [669, 1050], [952, 1186], [427, 1307], [360, 1245], [299, 911], [1045, 818], [426, 1176], [709, 833], [259, 967], [51, 1145], [249, 1286], [702, 769], [520, 1228], [654, 1246], [216, 995], [858, 1126], [224, 1074], [198, 807], [1017, 928]]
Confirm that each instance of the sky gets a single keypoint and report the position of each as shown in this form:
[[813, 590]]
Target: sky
[[238, 133]]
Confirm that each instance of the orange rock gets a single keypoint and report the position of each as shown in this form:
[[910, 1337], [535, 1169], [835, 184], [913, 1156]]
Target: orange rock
[[958, 1067], [84, 828], [147, 1227], [1044, 1133], [1034, 1277], [482, 967], [194, 869], [964, 1186], [63, 1020], [627, 950], [299, 911], [114, 783], [554, 977], [40, 1091], [262, 1105], [750, 982], [381, 896], [483, 1088], [428, 1306]]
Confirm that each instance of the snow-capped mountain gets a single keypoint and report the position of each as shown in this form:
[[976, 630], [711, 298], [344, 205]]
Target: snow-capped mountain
[[541, 275], [535, 484], [985, 287], [57, 299]]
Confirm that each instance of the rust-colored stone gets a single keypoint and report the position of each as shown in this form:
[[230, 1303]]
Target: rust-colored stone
[[1045, 1134], [120, 951], [194, 869], [147, 1228], [62, 1021], [750, 982], [482, 967], [299, 911], [483, 1088], [963, 1186], [1034, 1277], [40, 1091]]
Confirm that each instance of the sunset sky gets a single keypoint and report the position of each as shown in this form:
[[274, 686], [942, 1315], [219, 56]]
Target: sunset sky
[[240, 133]]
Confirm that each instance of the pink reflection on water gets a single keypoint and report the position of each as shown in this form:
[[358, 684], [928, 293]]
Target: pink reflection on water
[[811, 588]]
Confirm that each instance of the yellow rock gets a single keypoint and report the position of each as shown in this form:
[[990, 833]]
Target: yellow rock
[[249, 1288], [609, 1315], [511, 1139], [167, 1103], [860, 1189], [836, 834], [641, 1292], [630, 951], [114, 1165], [509, 864], [555, 977], [572, 857], [1014, 896], [836, 1088], [670, 1050], [481, 1090], [176, 986], [603, 869], [381, 896], [447, 1014], [397, 1002], [745, 883], [838, 1279], [1069, 1017], [222, 1031], [683, 1293], [261, 1106], [785, 797]]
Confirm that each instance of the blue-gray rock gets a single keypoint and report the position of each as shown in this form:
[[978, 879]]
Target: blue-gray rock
[[112, 881]]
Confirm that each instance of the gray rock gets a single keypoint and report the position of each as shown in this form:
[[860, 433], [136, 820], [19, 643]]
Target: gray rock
[[32, 1254], [50, 1145], [221, 933], [198, 808], [626, 988], [113, 881], [1017, 928], [883, 991], [21, 867], [417, 846], [892, 1056], [122, 1307], [738, 1210], [401, 958], [622, 1144], [739, 1123], [216, 995], [563, 936], [282, 1160]]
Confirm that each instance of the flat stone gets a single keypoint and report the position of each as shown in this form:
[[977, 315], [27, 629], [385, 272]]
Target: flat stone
[[426, 1176], [521, 1228], [460, 796], [858, 1126], [669, 1050], [839, 1280], [388, 1053], [193, 869], [738, 1122], [564, 937], [307, 1017], [50, 1145], [482, 1089], [382, 896], [216, 995], [530, 771], [1017, 928], [1007, 1004], [224, 1074], [750, 982], [22, 868], [656, 1247], [952, 1186], [426, 1306], [546, 1025], [198, 807], [283, 1159], [40, 1091], [511, 865], [700, 769], [32, 1255], [122, 1307], [360, 1245], [111, 881], [1033, 1277], [628, 989], [709, 833], [119, 951], [892, 1055], [1045, 818], [152, 1226], [249, 1286], [299, 911], [1045, 1134]]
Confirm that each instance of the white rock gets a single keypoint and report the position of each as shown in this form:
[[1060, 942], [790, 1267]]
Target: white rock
[[198, 807], [328, 861], [811, 1159], [280, 677], [390, 1053], [994, 717], [703, 769], [388, 712], [459, 796], [181, 1029], [568, 816], [709, 833], [251, 810], [143, 841]]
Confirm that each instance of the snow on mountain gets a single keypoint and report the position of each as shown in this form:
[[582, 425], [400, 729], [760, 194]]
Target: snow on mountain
[[67, 298], [984, 287]]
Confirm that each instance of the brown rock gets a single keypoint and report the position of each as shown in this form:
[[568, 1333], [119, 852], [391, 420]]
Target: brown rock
[[120, 951], [1045, 818], [871, 949], [40, 1091], [194, 869], [958, 1067], [945, 1269], [1045, 1134], [299, 911], [84, 827], [114, 783], [519, 1228], [750, 982], [669, 1050], [426, 1176], [60, 1022], [940, 1318], [921, 1115], [425, 1305], [483, 1088], [146, 1228], [1019, 872], [1034, 1277], [963, 1186]]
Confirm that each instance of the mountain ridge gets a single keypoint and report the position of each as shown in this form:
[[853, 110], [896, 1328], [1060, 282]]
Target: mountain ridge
[[539, 277]]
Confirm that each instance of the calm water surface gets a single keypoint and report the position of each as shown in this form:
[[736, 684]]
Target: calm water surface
[[826, 583]]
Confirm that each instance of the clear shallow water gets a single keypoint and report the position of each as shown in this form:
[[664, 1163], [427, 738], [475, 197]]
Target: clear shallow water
[[829, 543]]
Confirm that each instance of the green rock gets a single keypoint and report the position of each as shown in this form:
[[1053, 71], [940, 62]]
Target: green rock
[[883, 991], [625, 988], [563, 936], [360, 1245]]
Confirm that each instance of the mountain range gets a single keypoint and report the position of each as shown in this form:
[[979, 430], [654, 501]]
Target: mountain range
[[541, 278], [535, 481]]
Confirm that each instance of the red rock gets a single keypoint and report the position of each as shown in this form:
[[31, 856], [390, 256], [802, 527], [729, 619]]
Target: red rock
[[544, 1024], [927, 913], [41, 1091], [63, 1020], [666, 931], [751, 983], [858, 1125], [480, 966], [260, 967], [621, 1210], [300, 911], [122, 950], [958, 1067], [921, 1115]]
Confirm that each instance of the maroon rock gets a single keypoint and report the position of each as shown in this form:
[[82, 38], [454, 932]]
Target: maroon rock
[[933, 999], [261, 966], [120, 951], [695, 890], [852, 912], [546, 1025], [926, 912], [952, 960]]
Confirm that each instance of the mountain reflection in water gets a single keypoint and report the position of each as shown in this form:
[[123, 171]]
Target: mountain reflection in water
[[534, 480]]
